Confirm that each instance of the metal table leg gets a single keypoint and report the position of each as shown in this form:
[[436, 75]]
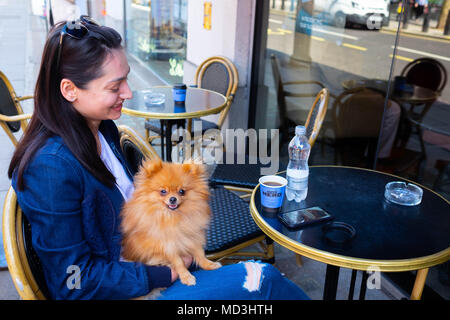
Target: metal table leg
[[362, 292], [331, 283], [352, 284], [168, 137], [163, 137]]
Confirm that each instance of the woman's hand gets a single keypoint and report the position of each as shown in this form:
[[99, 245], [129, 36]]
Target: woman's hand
[[187, 263]]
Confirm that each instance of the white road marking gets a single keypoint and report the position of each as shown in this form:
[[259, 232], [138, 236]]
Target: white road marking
[[335, 34], [422, 53], [275, 21]]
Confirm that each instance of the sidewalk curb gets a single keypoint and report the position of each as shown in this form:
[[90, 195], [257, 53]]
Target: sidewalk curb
[[421, 35]]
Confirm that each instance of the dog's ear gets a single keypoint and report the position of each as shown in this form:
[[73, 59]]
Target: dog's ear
[[152, 166], [194, 168]]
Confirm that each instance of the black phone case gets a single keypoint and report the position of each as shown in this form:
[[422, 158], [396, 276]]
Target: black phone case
[[303, 224]]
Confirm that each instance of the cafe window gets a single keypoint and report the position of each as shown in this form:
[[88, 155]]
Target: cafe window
[[156, 34], [355, 50]]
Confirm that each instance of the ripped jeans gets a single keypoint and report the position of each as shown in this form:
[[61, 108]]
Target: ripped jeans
[[248, 280]]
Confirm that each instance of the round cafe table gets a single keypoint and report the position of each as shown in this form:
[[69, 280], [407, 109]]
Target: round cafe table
[[199, 103], [389, 237], [419, 95]]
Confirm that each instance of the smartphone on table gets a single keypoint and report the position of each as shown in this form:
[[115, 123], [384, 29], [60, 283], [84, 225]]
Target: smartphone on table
[[299, 218]]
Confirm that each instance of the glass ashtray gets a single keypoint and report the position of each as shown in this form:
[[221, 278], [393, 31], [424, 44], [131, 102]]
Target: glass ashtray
[[153, 99], [405, 194]]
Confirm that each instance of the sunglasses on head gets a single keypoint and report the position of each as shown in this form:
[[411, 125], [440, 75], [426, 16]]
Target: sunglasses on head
[[76, 29]]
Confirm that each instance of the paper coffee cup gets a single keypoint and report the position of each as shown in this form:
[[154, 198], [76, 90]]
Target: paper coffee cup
[[272, 190]]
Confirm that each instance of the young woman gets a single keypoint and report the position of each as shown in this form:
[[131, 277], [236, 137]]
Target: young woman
[[71, 180]]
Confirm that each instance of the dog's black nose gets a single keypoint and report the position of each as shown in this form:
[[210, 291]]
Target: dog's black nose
[[173, 200]]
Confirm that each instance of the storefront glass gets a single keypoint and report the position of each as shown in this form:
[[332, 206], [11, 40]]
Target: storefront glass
[[156, 34], [354, 49]]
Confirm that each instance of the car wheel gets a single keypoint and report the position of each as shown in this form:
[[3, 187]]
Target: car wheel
[[340, 20]]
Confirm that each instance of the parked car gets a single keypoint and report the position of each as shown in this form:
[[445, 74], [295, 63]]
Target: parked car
[[371, 13]]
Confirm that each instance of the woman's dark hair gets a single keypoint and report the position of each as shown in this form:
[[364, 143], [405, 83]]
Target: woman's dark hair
[[81, 62]]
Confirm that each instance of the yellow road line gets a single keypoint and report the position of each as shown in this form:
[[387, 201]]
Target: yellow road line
[[284, 30], [352, 46], [317, 38], [401, 58], [273, 33], [280, 32]]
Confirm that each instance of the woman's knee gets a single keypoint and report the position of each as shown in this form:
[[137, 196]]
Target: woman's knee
[[257, 272], [266, 282]]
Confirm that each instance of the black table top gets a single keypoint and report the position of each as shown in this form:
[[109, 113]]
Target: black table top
[[418, 96], [384, 231]]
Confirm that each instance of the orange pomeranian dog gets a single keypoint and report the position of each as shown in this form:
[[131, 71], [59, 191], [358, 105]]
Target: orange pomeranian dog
[[167, 216]]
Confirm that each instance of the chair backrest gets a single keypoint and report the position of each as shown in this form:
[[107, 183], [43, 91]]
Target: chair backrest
[[135, 148], [218, 74], [23, 263], [316, 116], [278, 84], [426, 72], [357, 116], [10, 107], [357, 113]]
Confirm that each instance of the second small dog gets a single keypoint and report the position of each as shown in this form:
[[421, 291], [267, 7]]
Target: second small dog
[[167, 217]]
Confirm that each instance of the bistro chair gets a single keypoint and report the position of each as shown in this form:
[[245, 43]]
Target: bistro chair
[[357, 115], [244, 177], [427, 73], [232, 234], [316, 116], [23, 262], [12, 118], [232, 228], [134, 147], [218, 74], [289, 118]]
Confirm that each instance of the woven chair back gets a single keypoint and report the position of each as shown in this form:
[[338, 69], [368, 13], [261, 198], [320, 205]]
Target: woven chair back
[[7, 105]]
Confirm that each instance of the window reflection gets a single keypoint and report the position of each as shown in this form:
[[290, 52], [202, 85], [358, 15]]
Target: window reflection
[[350, 48], [157, 34]]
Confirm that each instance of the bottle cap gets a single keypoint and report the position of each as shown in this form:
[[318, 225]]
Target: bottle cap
[[300, 130]]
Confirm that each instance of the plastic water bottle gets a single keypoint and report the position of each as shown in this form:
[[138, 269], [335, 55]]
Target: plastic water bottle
[[298, 170]]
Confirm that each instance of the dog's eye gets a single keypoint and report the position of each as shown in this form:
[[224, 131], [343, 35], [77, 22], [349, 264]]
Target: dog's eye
[[181, 192], [163, 192]]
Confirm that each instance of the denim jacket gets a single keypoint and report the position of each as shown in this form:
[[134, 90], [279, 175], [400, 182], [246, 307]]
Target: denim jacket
[[75, 226]]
